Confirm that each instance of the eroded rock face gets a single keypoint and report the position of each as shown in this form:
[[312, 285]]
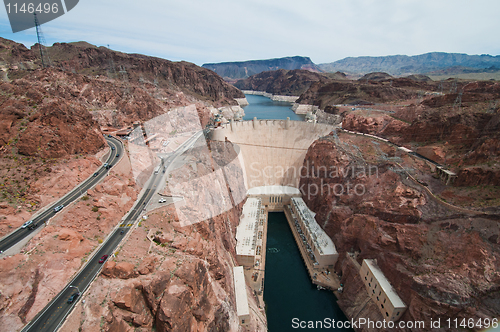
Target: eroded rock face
[[45, 127], [173, 276], [418, 244], [46, 264], [281, 82], [139, 68], [187, 293], [355, 93], [460, 131]]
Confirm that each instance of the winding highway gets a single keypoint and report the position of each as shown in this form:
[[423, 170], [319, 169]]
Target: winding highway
[[54, 314], [20, 233]]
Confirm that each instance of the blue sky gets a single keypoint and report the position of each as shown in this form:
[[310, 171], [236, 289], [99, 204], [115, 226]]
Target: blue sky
[[236, 30]]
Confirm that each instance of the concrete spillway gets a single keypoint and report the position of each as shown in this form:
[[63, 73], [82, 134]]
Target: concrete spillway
[[271, 151]]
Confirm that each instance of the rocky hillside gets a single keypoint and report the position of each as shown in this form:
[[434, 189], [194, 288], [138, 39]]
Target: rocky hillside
[[88, 59], [281, 82], [402, 65], [244, 69], [373, 88], [417, 241], [325, 90], [460, 130], [58, 112], [13, 54], [174, 277], [38, 119]]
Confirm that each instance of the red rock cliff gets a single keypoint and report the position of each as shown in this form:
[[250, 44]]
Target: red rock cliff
[[442, 264]]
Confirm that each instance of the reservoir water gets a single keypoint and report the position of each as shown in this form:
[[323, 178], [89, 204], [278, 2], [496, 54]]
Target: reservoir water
[[265, 108], [288, 290]]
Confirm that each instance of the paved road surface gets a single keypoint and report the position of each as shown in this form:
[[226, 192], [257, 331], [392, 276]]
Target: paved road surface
[[21, 233], [52, 316]]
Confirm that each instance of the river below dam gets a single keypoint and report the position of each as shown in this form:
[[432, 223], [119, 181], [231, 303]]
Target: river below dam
[[265, 108], [288, 291]]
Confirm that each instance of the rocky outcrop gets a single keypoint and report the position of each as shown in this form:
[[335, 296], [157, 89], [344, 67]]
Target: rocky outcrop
[[475, 176], [355, 93], [173, 275], [435, 153], [418, 243], [281, 82], [377, 76], [182, 76], [459, 130], [13, 54], [45, 127]]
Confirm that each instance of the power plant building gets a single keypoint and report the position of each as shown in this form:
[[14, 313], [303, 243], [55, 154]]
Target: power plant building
[[320, 247], [381, 291], [240, 290], [249, 242]]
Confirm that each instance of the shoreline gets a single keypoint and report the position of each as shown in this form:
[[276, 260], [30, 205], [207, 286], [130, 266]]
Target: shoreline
[[288, 99], [299, 109]]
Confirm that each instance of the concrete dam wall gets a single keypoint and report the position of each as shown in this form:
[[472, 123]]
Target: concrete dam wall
[[272, 152]]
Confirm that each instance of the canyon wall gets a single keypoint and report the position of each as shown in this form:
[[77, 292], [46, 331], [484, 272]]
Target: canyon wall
[[443, 264]]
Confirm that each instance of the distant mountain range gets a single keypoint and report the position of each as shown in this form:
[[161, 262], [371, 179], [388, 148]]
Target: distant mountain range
[[437, 63], [401, 65], [244, 69]]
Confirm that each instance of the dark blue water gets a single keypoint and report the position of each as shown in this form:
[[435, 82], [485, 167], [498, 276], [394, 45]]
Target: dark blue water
[[288, 290], [265, 108]]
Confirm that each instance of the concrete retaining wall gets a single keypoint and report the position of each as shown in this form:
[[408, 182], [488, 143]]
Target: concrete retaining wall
[[242, 101], [303, 108]]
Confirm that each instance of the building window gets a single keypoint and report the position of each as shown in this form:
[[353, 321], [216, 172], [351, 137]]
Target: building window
[[397, 314], [367, 272], [379, 293], [387, 314], [371, 279], [384, 300], [382, 306], [378, 299], [369, 284], [375, 285], [242, 321], [366, 278]]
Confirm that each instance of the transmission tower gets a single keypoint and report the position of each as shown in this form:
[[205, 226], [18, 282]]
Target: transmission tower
[[440, 87], [453, 88], [458, 101], [41, 44], [124, 75], [111, 70]]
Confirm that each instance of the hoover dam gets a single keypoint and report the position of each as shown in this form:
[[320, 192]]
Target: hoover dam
[[271, 151], [271, 155]]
